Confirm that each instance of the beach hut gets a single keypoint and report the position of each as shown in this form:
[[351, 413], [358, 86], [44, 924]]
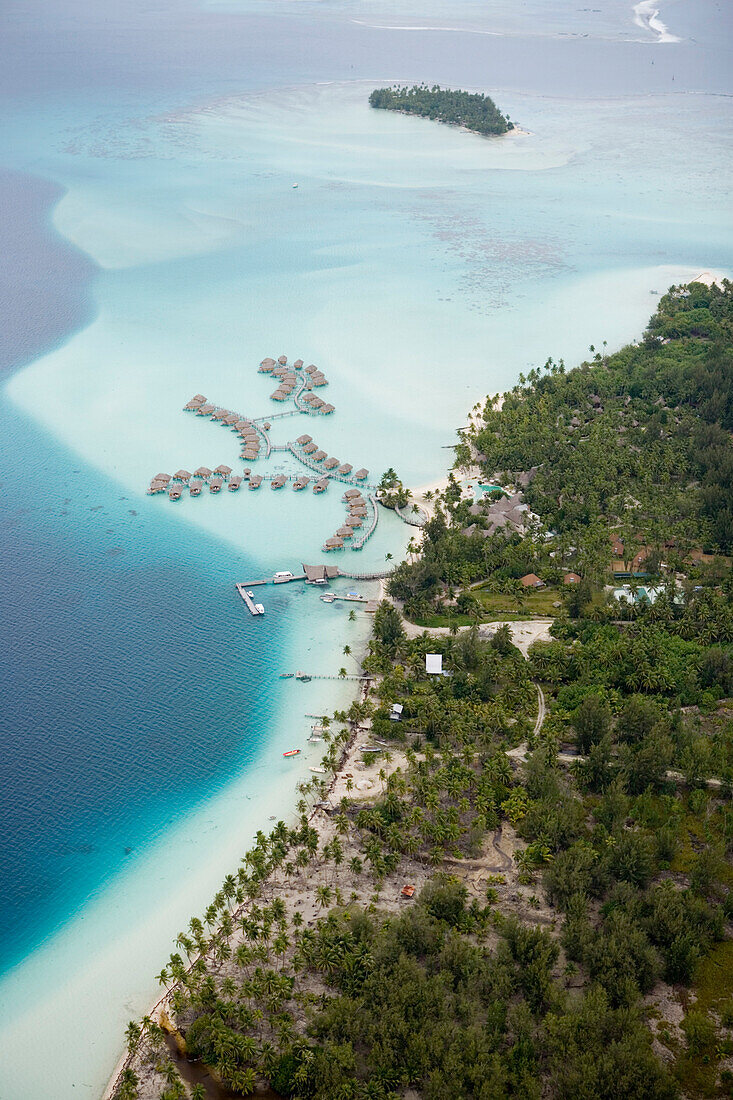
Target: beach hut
[[330, 464], [344, 532], [319, 456], [204, 410], [327, 408], [278, 482], [203, 472], [282, 360], [234, 482], [345, 468], [361, 475], [223, 471], [215, 484], [303, 439], [321, 486], [195, 487], [350, 494], [255, 481]]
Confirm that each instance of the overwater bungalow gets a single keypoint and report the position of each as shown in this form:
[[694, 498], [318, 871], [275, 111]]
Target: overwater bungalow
[[278, 395], [220, 414], [354, 521], [361, 475], [234, 482], [255, 481], [267, 364], [266, 426], [247, 471], [333, 543], [195, 487], [215, 484], [174, 493], [345, 468], [203, 472], [232, 420], [242, 425], [318, 380], [307, 398], [319, 456], [182, 475], [310, 369], [300, 483], [327, 408], [223, 471], [330, 464], [278, 482], [249, 454], [157, 487], [344, 532], [310, 449], [303, 439], [165, 478], [298, 364], [351, 493], [321, 486], [282, 360], [357, 510], [316, 403], [205, 410], [192, 405], [198, 398]]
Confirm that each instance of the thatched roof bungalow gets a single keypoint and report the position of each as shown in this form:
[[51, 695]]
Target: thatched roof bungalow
[[267, 364], [351, 493], [215, 484], [333, 544], [362, 474], [182, 475], [174, 493], [310, 449], [344, 532], [303, 439], [319, 456], [205, 410], [203, 472], [195, 487], [354, 521], [282, 360], [327, 408], [234, 482], [223, 470], [330, 463], [255, 481], [278, 482], [298, 364], [321, 486], [311, 368], [345, 468], [165, 478]]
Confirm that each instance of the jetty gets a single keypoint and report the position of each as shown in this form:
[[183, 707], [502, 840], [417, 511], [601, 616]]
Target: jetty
[[252, 607]]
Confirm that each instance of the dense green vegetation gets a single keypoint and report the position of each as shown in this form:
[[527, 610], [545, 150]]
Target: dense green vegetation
[[568, 935], [470, 109]]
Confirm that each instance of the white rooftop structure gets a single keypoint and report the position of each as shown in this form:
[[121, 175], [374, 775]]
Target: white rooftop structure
[[434, 664]]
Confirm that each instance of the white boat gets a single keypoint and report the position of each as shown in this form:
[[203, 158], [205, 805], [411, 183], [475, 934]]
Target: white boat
[[282, 576], [259, 609], [251, 595], [295, 187], [318, 771]]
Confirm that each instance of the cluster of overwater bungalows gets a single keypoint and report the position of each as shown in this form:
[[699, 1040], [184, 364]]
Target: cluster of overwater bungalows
[[356, 513], [251, 436], [310, 453], [306, 379]]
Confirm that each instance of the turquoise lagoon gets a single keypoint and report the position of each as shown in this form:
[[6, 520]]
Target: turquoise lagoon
[[419, 266]]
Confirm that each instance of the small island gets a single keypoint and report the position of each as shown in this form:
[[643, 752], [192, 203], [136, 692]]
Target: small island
[[471, 110]]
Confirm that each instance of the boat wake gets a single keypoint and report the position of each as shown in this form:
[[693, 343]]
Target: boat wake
[[646, 15]]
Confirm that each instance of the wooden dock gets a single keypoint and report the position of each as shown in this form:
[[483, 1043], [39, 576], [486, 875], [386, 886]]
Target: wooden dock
[[242, 590]]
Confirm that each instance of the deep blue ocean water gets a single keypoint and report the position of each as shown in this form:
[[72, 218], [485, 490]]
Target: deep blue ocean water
[[128, 676]]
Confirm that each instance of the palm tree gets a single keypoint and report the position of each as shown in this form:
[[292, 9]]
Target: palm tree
[[324, 895]]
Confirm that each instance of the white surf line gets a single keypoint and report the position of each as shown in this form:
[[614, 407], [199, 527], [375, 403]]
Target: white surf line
[[395, 27], [646, 15]]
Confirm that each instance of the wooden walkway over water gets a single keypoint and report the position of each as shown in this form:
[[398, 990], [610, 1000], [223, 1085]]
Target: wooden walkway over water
[[242, 590]]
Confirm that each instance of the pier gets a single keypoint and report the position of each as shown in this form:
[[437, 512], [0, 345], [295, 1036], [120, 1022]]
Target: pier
[[242, 590]]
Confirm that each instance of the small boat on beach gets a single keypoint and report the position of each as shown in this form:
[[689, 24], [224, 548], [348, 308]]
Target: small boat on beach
[[292, 752], [318, 771]]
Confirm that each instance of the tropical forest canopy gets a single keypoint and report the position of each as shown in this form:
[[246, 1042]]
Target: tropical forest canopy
[[470, 109]]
